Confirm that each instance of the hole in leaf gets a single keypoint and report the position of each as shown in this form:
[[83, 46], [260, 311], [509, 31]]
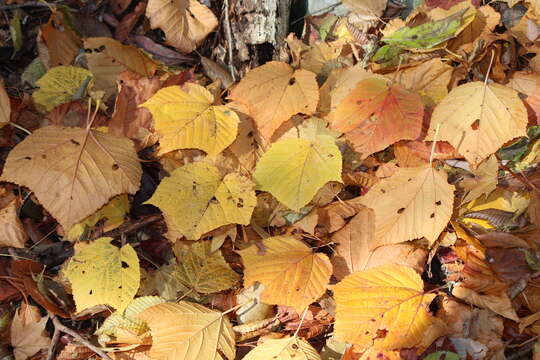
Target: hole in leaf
[[400, 210], [476, 124], [115, 166], [438, 202], [124, 265], [292, 81], [27, 158], [432, 215], [75, 142]]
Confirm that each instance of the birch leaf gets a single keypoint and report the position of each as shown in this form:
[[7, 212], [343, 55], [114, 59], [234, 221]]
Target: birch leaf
[[411, 204], [287, 348], [484, 181], [102, 274], [293, 170], [477, 119], [185, 118], [292, 274], [274, 92], [196, 199], [185, 331], [73, 172]]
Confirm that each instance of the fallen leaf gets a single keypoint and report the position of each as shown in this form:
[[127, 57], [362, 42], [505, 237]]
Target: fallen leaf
[[411, 204], [484, 181], [185, 118], [196, 199], [103, 274], [107, 58], [377, 114], [292, 274], [480, 29], [287, 348], [477, 119], [291, 92], [5, 106], [61, 84], [27, 332], [293, 170], [11, 229], [188, 331], [394, 311], [62, 42], [201, 269], [186, 23], [80, 160]]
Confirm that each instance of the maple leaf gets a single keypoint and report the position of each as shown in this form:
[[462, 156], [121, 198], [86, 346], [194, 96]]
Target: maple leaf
[[102, 274], [27, 332], [377, 114], [292, 92], [292, 274], [73, 172], [187, 331], [185, 118], [393, 302], [478, 118], [196, 199], [186, 23], [411, 204]]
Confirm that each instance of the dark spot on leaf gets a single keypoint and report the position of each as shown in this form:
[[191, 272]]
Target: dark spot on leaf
[[43, 156], [432, 215], [74, 142], [90, 293], [292, 81], [438, 202], [297, 289], [124, 265], [213, 200], [294, 346], [250, 134], [330, 155], [400, 210], [84, 272], [409, 179], [476, 124], [383, 191], [240, 203], [27, 158], [115, 166]]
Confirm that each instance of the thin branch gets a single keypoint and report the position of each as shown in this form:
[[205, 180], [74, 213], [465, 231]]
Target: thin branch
[[54, 341], [26, 4], [61, 327], [228, 37]]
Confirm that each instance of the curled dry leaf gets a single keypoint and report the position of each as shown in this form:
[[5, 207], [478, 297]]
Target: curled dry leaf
[[80, 160], [186, 23], [274, 92], [292, 274]]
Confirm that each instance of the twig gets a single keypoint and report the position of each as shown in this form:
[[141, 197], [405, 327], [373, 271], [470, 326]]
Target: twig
[[54, 341], [26, 4], [301, 321], [228, 37], [130, 227], [61, 327]]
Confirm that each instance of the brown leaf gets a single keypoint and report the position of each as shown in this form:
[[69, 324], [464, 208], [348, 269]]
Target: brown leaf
[[127, 23], [62, 42], [27, 332]]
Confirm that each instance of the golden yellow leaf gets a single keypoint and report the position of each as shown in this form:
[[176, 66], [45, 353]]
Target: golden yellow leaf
[[114, 212], [121, 324], [477, 119], [102, 274], [107, 58], [5, 106], [186, 23], [27, 332], [287, 348], [185, 118], [201, 269], [196, 199], [12, 232], [274, 92], [384, 307], [484, 181], [411, 204], [293, 170], [59, 85], [73, 172], [186, 331], [292, 274]]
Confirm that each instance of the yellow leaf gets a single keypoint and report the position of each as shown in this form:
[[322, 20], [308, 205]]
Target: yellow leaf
[[187, 331], [196, 199], [274, 92], [114, 213], [484, 180], [185, 118], [102, 274], [478, 119], [411, 204], [120, 323], [292, 274], [287, 348], [107, 58], [5, 106], [201, 269], [186, 23], [293, 170], [59, 85], [73, 172], [27, 333], [384, 307]]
